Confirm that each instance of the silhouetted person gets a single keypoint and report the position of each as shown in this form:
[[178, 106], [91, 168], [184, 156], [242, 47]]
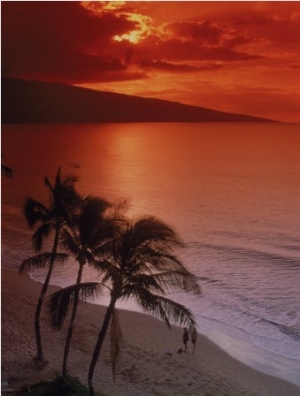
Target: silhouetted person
[[194, 339], [185, 338]]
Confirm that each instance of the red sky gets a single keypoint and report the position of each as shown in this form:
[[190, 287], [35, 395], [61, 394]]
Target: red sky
[[241, 57]]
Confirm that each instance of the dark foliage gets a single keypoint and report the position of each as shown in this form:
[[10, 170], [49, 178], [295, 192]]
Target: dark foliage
[[61, 386]]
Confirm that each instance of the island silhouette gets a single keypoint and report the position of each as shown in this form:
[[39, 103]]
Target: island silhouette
[[25, 101]]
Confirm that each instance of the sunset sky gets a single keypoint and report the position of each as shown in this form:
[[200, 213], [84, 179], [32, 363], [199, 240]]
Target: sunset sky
[[241, 57]]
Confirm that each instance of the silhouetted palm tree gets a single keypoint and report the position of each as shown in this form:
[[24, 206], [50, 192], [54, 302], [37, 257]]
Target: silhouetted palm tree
[[51, 220], [90, 229], [138, 263], [7, 171]]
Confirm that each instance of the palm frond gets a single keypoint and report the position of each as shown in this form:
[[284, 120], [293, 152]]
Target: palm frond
[[70, 180], [105, 266], [105, 230], [89, 256], [67, 182], [116, 339], [41, 234], [179, 279], [95, 205], [150, 228], [88, 230], [164, 308], [63, 196], [6, 170], [106, 248], [157, 258], [35, 211], [41, 261], [93, 223], [69, 240], [177, 312], [48, 183], [149, 282], [59, 302]]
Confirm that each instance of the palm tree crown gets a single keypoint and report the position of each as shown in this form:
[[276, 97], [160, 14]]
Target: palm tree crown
[[143, 266], [139, 263], [90, 227], [63, 200]]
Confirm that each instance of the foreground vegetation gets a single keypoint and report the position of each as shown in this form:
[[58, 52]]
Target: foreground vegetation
[[65, 385]]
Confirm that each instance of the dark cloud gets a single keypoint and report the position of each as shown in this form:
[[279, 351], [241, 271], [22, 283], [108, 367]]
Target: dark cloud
[[176, 50], [202, 32], [274, 27], [173, 67], [58, 37], [65, 41], [205, 40]]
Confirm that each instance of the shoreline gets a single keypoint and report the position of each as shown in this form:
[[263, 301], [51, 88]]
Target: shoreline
[[144, 367], [265, 361]]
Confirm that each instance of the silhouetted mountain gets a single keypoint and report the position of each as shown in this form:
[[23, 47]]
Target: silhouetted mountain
[[39, 102]]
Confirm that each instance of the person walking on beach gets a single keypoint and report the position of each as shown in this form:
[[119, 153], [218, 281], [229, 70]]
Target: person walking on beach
[[185, 338], [194, 339]]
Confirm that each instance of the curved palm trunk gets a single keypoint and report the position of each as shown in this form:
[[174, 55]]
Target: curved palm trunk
[[99, 343], [72, 320], [40, 354]]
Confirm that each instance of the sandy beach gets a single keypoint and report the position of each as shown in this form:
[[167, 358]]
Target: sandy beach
[[144, 367]]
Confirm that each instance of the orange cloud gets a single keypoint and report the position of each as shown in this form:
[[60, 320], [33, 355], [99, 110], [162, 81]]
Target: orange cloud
[[140, 47], [141, 27]]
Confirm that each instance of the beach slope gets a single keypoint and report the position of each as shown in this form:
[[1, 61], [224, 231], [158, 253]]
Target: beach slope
[[144, 367]]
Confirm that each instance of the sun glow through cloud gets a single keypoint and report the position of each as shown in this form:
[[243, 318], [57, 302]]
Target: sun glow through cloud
[[229, 56], [143, 29], [141, 22], [98, 7]]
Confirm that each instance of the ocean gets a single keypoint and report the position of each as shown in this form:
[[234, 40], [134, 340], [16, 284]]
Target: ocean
[[230, 190]]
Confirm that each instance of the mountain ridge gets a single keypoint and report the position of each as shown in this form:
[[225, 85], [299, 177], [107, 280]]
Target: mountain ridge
[[60, 103]]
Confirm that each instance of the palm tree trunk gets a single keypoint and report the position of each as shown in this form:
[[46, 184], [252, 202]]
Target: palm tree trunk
[[72, 320], [40, 354], [99, 343]]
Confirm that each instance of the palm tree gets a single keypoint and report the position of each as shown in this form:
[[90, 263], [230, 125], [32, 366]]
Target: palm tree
[[138, 263], [6, 170], [51, 220], [90, 229]]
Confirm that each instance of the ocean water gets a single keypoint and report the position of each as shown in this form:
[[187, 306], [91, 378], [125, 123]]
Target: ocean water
[[232, 192]]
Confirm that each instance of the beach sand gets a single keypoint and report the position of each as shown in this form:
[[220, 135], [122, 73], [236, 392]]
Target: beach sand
[[144, 367]]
